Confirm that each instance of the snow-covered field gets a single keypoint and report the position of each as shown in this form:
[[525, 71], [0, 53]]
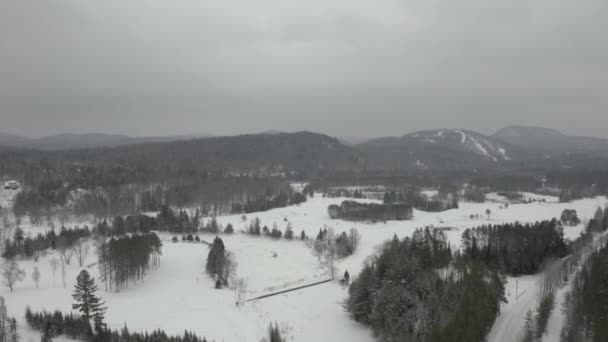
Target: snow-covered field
[[179, 295]]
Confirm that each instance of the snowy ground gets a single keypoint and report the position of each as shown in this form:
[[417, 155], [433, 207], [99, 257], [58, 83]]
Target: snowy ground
[[180, 296], [6, 197]]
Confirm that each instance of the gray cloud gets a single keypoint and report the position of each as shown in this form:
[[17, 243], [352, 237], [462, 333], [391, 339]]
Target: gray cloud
[[344, 67]]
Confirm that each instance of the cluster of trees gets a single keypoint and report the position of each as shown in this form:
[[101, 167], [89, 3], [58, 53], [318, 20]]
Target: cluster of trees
[[515, 248], [355, 211], [408, 293], [513, 196], [269, 201], [579, 191], [65, 242], [599, 222], [127, 258], [340, 192], [586, 306], [420, 201], [39, 201], [221, 264], [342, 245], [8, 325], [329, 247], [474, 194], [167, 219], [53, 324], [569, 217], [256, 229]]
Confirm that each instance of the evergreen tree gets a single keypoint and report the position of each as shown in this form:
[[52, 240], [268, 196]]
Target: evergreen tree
[[87, 301], [229, 229], [274, 334], [289, 232], [3, 321], [216, 258]]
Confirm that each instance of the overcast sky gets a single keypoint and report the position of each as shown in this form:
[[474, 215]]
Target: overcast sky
[[354, 68]]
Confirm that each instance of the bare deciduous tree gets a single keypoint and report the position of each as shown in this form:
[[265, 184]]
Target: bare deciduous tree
[[54, 266], [63, 263], [82, 250], [229, 268], [36, 276], [11, 273]]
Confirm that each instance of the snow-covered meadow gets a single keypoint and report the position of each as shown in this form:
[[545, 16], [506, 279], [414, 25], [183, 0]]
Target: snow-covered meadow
[[180, 296]]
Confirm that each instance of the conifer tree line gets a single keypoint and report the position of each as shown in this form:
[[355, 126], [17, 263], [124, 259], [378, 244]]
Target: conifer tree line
[[269, 201], [515, 248], [413, 197], [53, 324], [599, 222], [408, 293], [355, 211], [167, 220], [127, 259], [586, 306], [8, 325], [34, 247]]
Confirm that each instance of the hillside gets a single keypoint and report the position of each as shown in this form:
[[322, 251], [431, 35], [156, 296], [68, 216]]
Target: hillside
[[83, 141], [303, 153], [442, 148], [551, 142]]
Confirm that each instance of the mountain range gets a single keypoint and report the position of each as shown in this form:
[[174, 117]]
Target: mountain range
[[430, 149], [84, 141]]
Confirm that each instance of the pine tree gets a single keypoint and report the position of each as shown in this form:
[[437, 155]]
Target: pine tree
[[3, 321], [216, 258], [13, 336], [47, 336], [274, 334], [87, 302], [289, 232]]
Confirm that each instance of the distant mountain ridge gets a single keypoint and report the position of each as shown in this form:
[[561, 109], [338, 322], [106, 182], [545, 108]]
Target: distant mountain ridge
[[70, 141], [447, 149], [552, 142]]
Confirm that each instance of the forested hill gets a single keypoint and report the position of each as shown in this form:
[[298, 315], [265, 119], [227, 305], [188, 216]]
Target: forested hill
[[301, 153]]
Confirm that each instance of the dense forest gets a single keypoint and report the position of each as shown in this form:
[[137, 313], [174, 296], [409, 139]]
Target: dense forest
[[419, 201], [586, 306], [356, 211], [415, 290], [515, 248]]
